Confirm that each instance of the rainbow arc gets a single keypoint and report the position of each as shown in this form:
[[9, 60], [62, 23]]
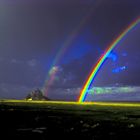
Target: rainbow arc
[[102, 59]]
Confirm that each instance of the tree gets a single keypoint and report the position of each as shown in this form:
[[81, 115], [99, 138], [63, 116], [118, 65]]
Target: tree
[[36, 95]]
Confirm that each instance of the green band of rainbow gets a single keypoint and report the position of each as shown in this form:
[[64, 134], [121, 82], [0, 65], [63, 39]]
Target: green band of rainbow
[[101, 60], [67, 43]]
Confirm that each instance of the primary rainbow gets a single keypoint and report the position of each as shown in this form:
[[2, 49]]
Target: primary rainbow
[[102, 59]]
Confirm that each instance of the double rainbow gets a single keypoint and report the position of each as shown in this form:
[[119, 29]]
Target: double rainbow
[[102, 59]]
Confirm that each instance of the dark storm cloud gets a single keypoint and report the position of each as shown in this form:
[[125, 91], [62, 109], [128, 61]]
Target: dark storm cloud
[[16, 71], [30, 29], [54, 2], [37, 31], [32, 32], [9, 91], [64, 94]]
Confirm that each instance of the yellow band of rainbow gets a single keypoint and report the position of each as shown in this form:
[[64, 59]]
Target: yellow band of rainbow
[[101, 60]]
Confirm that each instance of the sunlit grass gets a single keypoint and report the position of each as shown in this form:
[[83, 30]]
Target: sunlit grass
[[119, 104]]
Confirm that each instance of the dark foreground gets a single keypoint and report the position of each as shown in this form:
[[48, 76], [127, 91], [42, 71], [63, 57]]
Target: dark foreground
[[45, 120]]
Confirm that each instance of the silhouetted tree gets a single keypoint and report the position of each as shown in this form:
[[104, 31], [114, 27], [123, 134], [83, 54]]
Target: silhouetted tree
[[36, 95]]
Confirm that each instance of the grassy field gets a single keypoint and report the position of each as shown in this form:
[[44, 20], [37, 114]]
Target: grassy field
[[49, 119]]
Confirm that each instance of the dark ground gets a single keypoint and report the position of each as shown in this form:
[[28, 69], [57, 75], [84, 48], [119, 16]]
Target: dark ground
[[41, 121]]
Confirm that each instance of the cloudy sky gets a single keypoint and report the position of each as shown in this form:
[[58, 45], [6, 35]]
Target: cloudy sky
[[65, 38]]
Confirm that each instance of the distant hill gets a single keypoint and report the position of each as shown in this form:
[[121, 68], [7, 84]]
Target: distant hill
[[36, 95]]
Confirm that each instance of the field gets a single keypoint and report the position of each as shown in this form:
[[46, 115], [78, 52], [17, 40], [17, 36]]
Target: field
[[44, 120]]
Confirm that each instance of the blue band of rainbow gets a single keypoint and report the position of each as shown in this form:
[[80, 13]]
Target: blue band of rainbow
[[101, 60]]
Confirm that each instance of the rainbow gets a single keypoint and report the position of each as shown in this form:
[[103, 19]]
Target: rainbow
[[50, 77], [102, 59]]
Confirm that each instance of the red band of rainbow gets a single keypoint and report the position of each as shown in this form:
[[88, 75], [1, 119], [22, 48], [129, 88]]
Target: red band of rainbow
[[101, 60]]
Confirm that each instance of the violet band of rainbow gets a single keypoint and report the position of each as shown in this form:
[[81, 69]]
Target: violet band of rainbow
[[102, 59]]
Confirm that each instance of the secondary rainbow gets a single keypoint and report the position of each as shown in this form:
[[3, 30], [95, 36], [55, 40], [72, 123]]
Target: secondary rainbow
[[102, 59], [50, 77]]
